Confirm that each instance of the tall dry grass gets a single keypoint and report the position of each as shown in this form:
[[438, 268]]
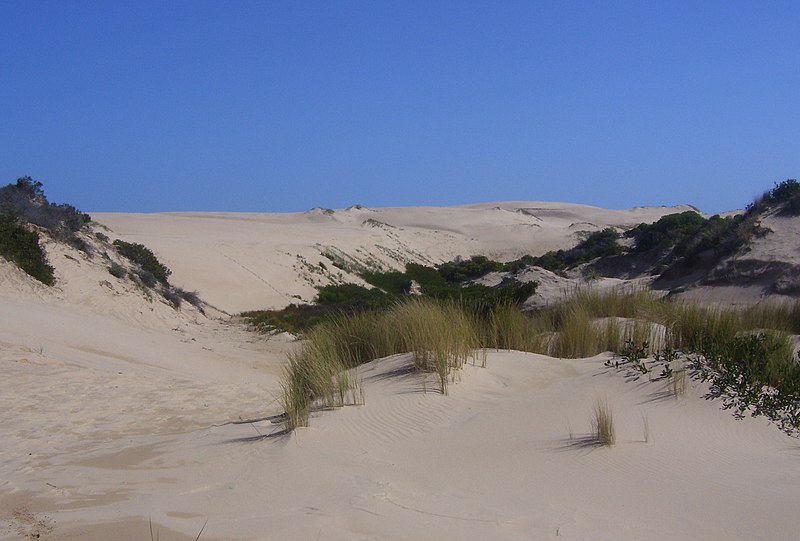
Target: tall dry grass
[[443, 335], [603, 430]]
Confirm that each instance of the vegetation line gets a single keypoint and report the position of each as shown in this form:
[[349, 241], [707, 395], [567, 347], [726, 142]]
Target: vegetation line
[[746, 354]]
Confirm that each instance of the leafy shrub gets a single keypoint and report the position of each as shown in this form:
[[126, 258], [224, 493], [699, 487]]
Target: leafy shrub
[[755, 372], [462, 270], [25, 200], [353, 297], [598, 244], [295, 318], [117, 270], [666, 232], [153, 270], [102, 237], [718, 237], [21, 246], [785, 191], [147, 277]]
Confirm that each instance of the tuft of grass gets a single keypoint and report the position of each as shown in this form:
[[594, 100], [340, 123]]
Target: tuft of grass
[[442, 335], [603, 431], [316, 376], [577, 335]]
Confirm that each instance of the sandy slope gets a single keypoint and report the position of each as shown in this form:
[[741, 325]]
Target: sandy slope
[[246, 261], [504, 456], [118, 409]]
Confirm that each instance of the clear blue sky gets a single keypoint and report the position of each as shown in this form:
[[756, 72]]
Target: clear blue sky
[[281, 106]]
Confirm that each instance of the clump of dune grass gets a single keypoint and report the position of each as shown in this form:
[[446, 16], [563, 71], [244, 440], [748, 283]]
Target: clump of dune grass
[[577, 336], [442, 335], [603, 431], [507, 327], [316, 376]]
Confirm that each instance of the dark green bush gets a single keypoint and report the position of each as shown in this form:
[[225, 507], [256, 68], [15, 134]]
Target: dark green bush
[[598, 244], [666, 232], [25, 200], [144, 258], [21, 246], [469, 269], [786, 193], [353, 297], [388, 289]]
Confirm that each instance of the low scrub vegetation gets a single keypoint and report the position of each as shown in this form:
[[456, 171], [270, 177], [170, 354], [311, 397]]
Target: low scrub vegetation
[[151, 269], [388, 288], [785, 196], [24, 212], [26, 202], [20, 246], [598, 244]]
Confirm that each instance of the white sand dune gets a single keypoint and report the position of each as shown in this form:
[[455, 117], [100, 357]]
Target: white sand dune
[[118, 410], [250, 261]]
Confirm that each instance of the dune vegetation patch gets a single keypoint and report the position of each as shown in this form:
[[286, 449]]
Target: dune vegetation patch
[[446, 282], [25, 212], [442, 336], [746, 355], [603, 429]]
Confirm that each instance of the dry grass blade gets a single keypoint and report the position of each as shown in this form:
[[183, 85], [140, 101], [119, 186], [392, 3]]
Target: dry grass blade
[[603, 430]]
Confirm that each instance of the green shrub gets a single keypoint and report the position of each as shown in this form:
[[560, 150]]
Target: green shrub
[[25, 200], [117, 270], [353, 297], [21, 247], [469, 269], [152, 270], [147, 278], [755, 372], [666, 232], [598, 244]]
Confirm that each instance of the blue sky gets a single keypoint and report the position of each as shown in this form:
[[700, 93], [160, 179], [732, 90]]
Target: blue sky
[[283, 106]]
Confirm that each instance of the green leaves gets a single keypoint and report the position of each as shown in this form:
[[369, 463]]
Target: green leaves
[[21, 246]]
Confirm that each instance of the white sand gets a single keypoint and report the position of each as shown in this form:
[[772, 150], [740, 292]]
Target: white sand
[[118, 410], [241, 261]]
